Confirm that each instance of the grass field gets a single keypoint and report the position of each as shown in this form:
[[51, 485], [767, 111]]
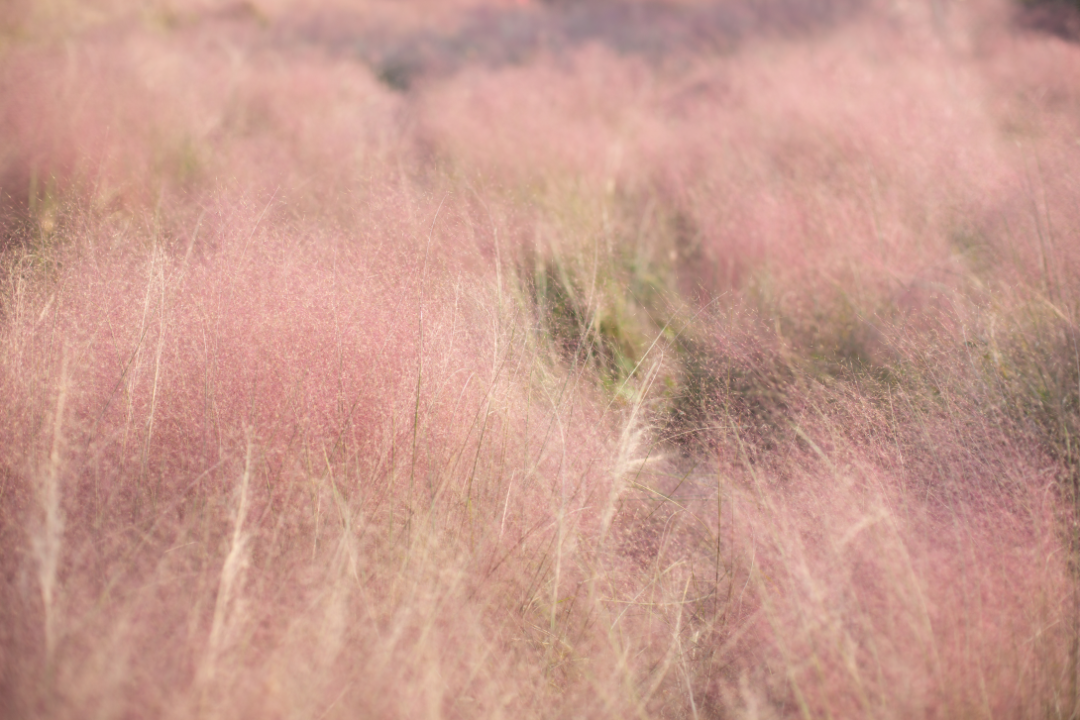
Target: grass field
[[519, 359]]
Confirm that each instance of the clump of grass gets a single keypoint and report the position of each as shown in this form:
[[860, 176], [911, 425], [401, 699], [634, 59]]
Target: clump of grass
[[601, 331]]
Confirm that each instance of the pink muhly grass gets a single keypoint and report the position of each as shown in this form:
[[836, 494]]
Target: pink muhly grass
[[584, 387]]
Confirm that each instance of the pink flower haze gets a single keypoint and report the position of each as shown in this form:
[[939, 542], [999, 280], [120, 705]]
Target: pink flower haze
[[583, 358]]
